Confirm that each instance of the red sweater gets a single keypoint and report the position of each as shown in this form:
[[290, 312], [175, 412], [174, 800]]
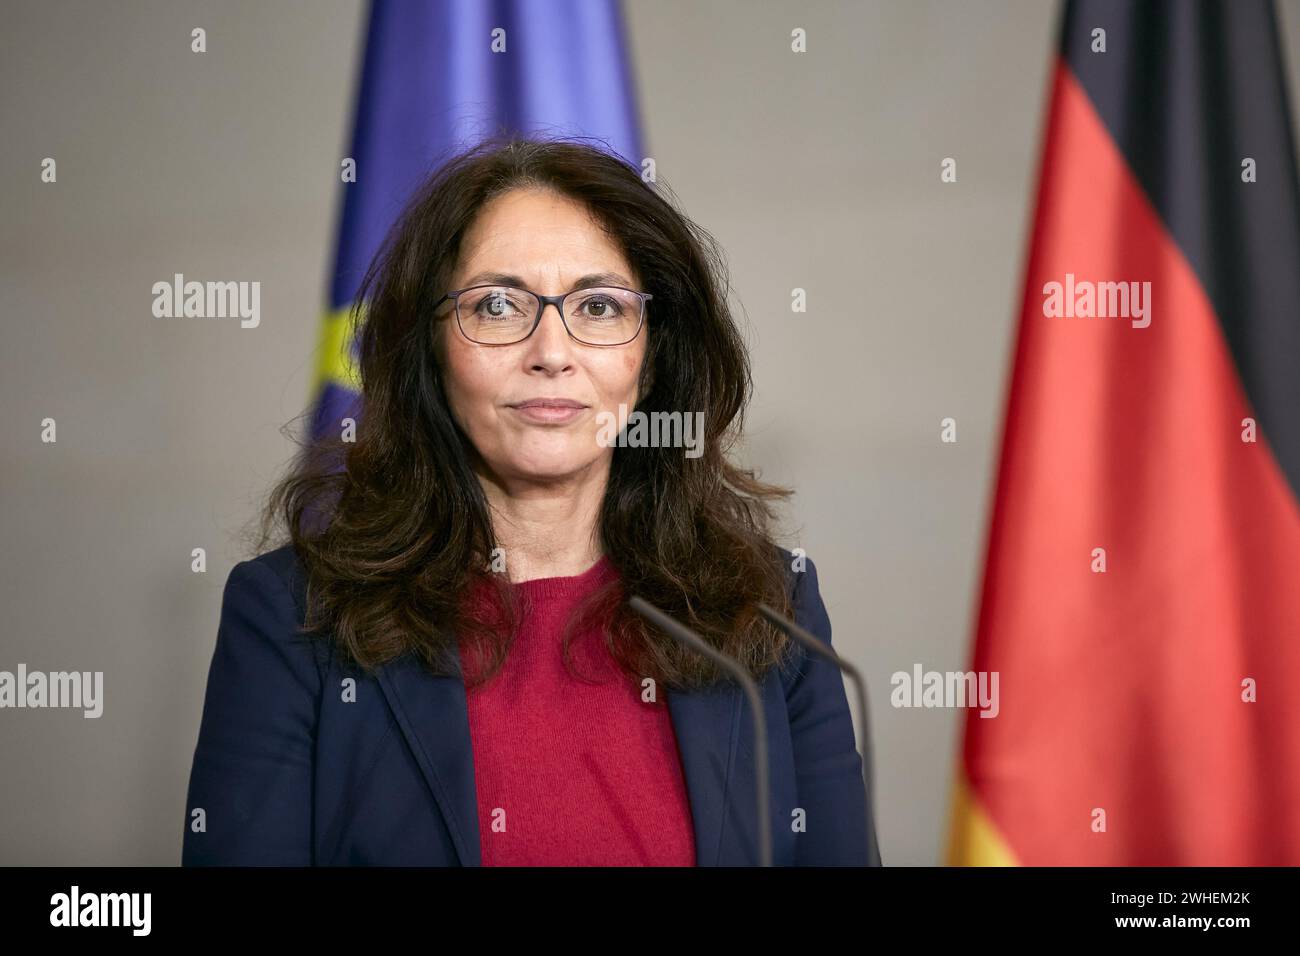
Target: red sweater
[[571, 773]]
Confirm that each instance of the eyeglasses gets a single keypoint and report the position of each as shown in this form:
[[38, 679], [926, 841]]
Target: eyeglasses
[[503, 315]]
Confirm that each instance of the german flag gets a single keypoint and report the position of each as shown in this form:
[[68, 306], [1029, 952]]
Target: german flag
[[1141, 596]]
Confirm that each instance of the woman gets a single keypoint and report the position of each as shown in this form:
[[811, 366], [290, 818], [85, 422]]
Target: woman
[[439, 667]]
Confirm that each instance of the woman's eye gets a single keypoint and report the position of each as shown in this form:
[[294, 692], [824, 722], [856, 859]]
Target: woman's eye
[[495, 308], [603, 308]]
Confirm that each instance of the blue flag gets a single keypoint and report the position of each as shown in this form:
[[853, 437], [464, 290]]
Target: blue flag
[[438, 76]]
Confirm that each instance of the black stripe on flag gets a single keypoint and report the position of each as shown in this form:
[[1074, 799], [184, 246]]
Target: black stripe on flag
[[1188, 89]]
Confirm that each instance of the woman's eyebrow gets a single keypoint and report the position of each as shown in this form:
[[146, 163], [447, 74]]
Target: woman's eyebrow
[[586, 282]]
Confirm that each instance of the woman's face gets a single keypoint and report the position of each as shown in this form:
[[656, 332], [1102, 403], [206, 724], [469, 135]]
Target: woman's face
[[550, 243]]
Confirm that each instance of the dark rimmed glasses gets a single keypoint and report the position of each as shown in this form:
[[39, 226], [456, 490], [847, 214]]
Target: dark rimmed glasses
[[504, 315]]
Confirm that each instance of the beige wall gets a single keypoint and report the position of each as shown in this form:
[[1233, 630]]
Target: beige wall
[[817, 171]]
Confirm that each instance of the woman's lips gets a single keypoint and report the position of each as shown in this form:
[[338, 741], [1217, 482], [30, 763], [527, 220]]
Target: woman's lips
[[549, 411]]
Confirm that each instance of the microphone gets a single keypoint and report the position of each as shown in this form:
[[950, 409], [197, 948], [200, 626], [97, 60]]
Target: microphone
[[812, 643], [685, 635]]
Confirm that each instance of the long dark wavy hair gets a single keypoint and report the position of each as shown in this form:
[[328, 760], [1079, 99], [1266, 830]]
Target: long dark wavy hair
[[392, 527]]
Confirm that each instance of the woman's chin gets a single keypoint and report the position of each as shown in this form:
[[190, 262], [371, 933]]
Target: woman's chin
[[552, 466]]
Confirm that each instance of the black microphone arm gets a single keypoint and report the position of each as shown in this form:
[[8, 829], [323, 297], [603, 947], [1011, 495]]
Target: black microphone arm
[[812, 643], [675, 629]]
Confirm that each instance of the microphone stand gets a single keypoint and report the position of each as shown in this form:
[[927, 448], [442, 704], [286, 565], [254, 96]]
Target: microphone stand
[[817, 646], [685, 635]]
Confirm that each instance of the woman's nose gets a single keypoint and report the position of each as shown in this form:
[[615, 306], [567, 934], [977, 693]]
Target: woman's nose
[[550, 343]]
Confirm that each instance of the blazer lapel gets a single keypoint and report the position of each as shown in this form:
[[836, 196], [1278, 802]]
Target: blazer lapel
[[433, 714], [706, 723]]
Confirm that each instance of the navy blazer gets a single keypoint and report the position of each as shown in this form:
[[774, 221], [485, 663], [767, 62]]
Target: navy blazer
[[286, 773]]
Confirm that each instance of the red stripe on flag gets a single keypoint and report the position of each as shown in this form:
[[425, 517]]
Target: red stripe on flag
[[1122, 691]]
